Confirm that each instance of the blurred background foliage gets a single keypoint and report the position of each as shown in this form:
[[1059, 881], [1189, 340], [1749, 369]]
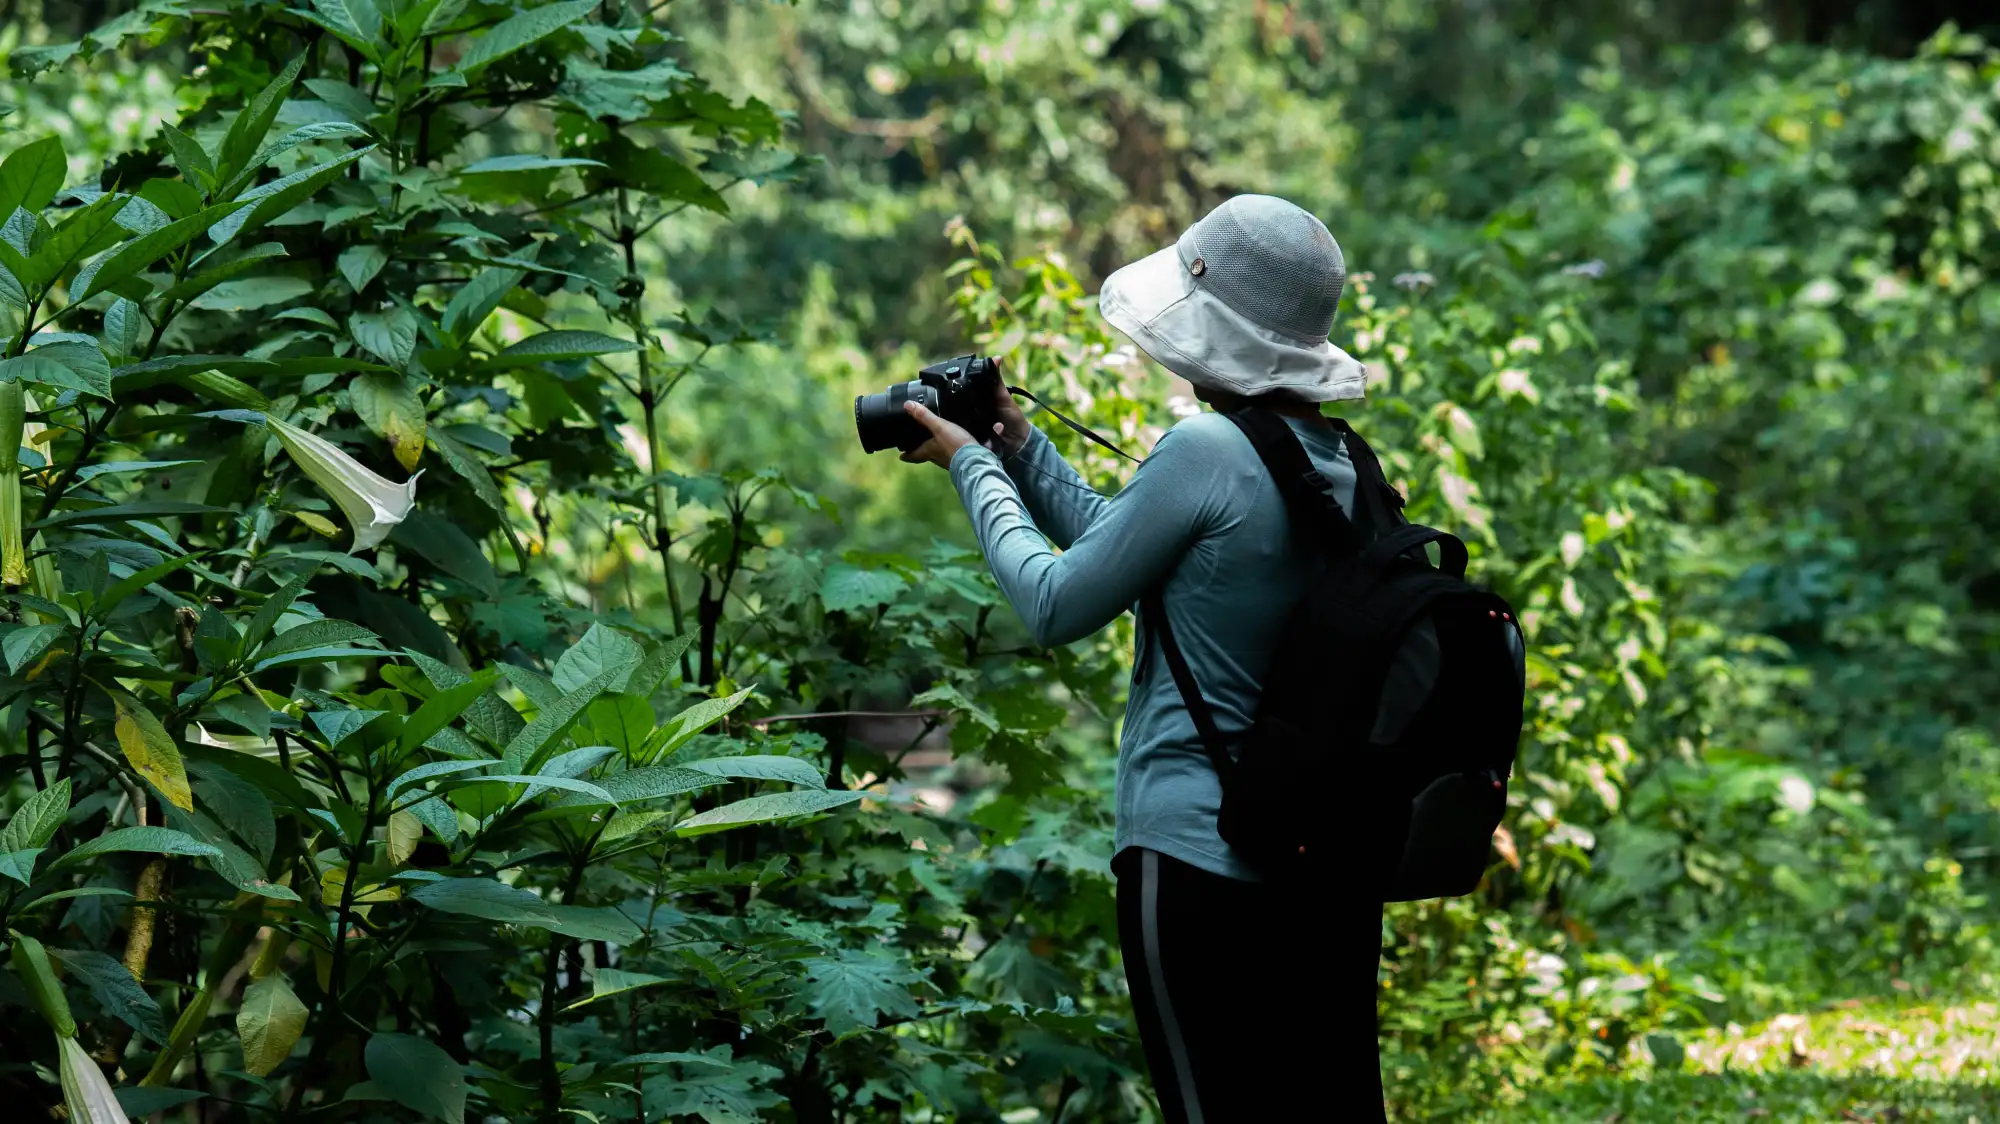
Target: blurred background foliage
[[1682, 311]]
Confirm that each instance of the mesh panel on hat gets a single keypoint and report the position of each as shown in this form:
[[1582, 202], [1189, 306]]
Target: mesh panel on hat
[[1272, 262]]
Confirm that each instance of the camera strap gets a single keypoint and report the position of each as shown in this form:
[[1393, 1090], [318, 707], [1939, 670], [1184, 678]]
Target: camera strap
[[1073, 424]]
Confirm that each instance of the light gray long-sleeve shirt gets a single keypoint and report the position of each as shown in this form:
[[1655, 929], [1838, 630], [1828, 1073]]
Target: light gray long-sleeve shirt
[[1203, 514]]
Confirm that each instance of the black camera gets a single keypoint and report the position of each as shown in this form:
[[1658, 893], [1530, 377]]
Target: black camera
[[965, 390]]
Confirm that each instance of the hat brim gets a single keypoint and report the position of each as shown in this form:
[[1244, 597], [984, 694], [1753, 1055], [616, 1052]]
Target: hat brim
[[1158, 303]]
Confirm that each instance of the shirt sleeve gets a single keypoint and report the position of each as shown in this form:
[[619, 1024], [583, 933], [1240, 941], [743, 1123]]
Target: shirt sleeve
[[1057, 497], [1133, 544]]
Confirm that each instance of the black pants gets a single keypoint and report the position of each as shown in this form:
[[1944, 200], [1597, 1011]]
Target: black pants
[[1254, 1002]]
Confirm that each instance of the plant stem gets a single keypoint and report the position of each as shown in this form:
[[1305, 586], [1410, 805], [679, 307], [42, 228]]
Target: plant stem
[[551, 1077], [139, 941], [32, 736], [649, 402], [27, 326]]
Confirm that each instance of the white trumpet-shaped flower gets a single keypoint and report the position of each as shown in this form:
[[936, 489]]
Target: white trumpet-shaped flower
[[373, 505], [86, 1093]]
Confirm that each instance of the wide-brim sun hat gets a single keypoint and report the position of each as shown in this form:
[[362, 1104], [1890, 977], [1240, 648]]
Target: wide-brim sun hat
[[1243, 303]]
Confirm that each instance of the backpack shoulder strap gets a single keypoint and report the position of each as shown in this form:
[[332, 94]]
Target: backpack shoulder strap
[[1309, 499], [1381, 505], [1308, 495], [1155, 605]]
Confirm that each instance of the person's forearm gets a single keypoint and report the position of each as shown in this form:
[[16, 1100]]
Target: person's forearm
[[1129, 548], [1056, 495]]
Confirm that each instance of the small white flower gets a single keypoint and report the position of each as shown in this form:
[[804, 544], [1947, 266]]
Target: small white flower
[[373, 505], [1796, 792], [1593, 269], [86, 1093], [1416, 279]]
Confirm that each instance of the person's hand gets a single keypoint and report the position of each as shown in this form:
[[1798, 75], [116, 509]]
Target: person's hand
[[1014, 429], [947, 437]]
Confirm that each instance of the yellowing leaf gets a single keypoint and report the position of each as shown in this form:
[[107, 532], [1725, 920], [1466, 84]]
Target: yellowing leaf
[[54, 653], [152, 751], [404, 832], [390, 408], [318, 523], [269, 1024], [333, 882]]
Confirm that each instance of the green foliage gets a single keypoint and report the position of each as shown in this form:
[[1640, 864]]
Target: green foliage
[[441, 571]]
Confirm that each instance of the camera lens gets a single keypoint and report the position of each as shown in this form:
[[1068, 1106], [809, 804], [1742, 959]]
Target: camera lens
[[880, 422]]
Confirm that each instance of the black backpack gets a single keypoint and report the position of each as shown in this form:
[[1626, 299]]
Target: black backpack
[[1389, 719]]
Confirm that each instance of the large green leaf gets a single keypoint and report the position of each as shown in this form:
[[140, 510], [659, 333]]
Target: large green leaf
[[523, 29], [766, 809], [196, 166], [540, 689], [657, 666], [358, 23], [538, 740], [425, 772], [71, 365], [621, 722], [475, 301], [391, 335], [626, 94], [441, 709], [278, 197], [274, 607], [685, 725], [417, 1075], [606, 982], [24, 644], [536, 784], [601, 651], [486, 899], [88, 231], [116, 992], [214, 275], [360, 264], [34, 823], [142, 252], [846, 588], [655, 782], [252, 123], [125, 587], [488, 716], [268, 1024], [792, 770], [388, 405], [315, 634], [30, 829], [567, 344], [594, 923], [32, 174], [304, 134], [151, 840], [232, 799], [437, 815], [855, 989]]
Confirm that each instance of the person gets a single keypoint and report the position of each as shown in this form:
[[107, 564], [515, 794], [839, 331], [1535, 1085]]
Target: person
[[1253, 998]]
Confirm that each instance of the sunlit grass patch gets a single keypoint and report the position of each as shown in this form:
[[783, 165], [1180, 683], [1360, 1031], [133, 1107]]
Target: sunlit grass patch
[[1857, 1061]]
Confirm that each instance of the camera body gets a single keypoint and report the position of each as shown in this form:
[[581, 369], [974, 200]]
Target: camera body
[[964, 391]]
